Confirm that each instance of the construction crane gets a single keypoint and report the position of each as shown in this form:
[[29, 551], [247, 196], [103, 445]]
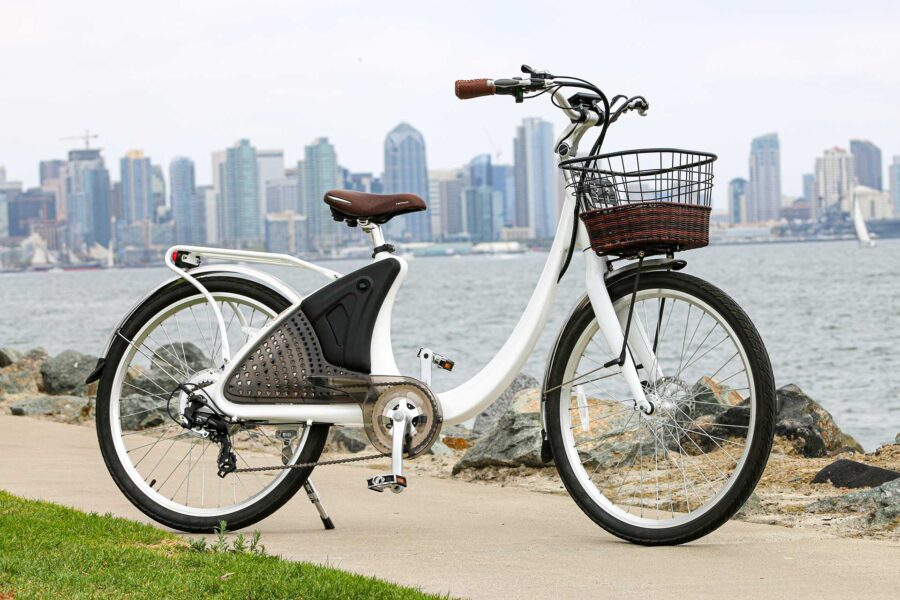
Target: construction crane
[[87, 136]]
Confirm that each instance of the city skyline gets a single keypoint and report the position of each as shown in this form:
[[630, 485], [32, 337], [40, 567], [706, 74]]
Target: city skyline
[[279, 89]]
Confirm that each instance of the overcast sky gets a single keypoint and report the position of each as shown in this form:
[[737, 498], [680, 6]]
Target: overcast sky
[[188, 77]]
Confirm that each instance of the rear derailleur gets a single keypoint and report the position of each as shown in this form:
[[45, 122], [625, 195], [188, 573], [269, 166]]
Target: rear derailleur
[[215, 428]]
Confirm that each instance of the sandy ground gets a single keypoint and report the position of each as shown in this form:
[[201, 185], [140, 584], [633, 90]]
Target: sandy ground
[[485, 541]]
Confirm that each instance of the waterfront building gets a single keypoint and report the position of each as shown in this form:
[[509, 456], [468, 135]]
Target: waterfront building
[[737, 201], [284, 232], [27, 208], [446, 204], [834, 181], [873, 204], [483, 204], [809, 187], [283, 195], [535, 178], [183, 200], [318, 173], [866, 163], [136, 173], [406, 171], [894, 184], [239, 213], [764, 188], [503, 181]]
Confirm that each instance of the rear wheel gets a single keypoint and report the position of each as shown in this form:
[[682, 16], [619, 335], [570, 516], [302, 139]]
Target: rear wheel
[[167, 471], [679, 473]]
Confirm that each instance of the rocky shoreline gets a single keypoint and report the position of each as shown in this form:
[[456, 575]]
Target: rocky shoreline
[[817, 475]]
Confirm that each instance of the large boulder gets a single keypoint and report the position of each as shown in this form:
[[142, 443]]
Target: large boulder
[[23, 375], [180, 358], [852, 474], [67, 408], [879, 507], [810, 427], [8, 356], [492, 413], [349, 439], [514, 440], [142, 412], [453, 439], [65, 374]]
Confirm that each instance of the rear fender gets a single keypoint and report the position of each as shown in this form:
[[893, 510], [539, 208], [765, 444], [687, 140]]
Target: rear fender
[[235, 271]]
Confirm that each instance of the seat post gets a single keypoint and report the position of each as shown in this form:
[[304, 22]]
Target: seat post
[[374, 231]]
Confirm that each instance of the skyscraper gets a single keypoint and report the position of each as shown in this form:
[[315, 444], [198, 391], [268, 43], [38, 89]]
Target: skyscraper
[[809, 187], [834, 181], [184, 201], [28, 208], [483, 204], [239, 213], [51, 170], [88, 202], [503, 180], [319, 172], [535, 178], [137, 187], [764, 187], [894, 184], [866, 163], [737, 201], [406, 171]]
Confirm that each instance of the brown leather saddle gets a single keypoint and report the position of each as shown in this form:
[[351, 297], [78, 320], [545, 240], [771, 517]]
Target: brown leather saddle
[[350, 206]]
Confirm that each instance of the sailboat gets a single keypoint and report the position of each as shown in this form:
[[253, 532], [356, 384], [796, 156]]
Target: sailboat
[[862, 233]]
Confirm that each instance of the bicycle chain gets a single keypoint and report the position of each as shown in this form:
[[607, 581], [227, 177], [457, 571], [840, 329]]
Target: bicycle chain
[[336, 461]]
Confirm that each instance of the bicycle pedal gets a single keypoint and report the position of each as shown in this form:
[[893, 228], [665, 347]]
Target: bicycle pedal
[[395, 483]]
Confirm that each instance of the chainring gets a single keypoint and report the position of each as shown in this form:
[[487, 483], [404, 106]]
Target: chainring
[[380, 403]]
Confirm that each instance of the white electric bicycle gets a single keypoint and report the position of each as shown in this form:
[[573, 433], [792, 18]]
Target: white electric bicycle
[[218, 389]]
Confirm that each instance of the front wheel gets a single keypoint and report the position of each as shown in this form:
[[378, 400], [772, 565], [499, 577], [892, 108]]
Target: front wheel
[[681, 472]]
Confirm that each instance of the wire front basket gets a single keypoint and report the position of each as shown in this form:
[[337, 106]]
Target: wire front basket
[[654, 201]]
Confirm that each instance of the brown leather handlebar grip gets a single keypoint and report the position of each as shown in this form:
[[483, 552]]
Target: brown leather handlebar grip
[[474, 88]]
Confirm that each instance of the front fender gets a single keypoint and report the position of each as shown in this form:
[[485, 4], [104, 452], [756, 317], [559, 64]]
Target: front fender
[[236, 271]]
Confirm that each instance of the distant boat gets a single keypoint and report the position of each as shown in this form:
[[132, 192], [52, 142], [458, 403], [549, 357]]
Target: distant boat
[[862, 233]]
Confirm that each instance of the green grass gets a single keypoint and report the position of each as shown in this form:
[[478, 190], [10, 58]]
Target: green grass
[[48, 550]]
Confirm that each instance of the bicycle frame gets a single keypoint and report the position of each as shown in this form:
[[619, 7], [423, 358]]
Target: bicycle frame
[[471, 397]]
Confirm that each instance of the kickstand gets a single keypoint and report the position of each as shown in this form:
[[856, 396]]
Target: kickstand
[[313, 496]]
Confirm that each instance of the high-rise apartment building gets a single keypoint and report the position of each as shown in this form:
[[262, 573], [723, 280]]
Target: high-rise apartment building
[[137, 187], [535, 178], [239, 213], [866, 163], [318, 173], [737, 201], [406, 171], [834, 182], [764, 187], [809, 187], [187, 211]]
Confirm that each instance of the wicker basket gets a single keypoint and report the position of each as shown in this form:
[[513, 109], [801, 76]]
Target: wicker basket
[[655, 201]]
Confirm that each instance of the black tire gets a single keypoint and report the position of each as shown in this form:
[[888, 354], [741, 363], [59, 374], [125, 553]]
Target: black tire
[[239, 519], [760, 445]]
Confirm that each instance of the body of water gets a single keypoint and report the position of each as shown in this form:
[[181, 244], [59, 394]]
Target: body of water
[[828, 312]]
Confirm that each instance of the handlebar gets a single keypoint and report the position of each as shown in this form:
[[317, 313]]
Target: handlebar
[[467, 89]]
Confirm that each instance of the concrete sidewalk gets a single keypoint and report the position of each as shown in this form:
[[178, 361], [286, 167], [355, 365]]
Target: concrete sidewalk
[[482, 541]]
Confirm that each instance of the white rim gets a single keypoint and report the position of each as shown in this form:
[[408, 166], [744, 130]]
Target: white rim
[[567, 427], [122, 452]]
